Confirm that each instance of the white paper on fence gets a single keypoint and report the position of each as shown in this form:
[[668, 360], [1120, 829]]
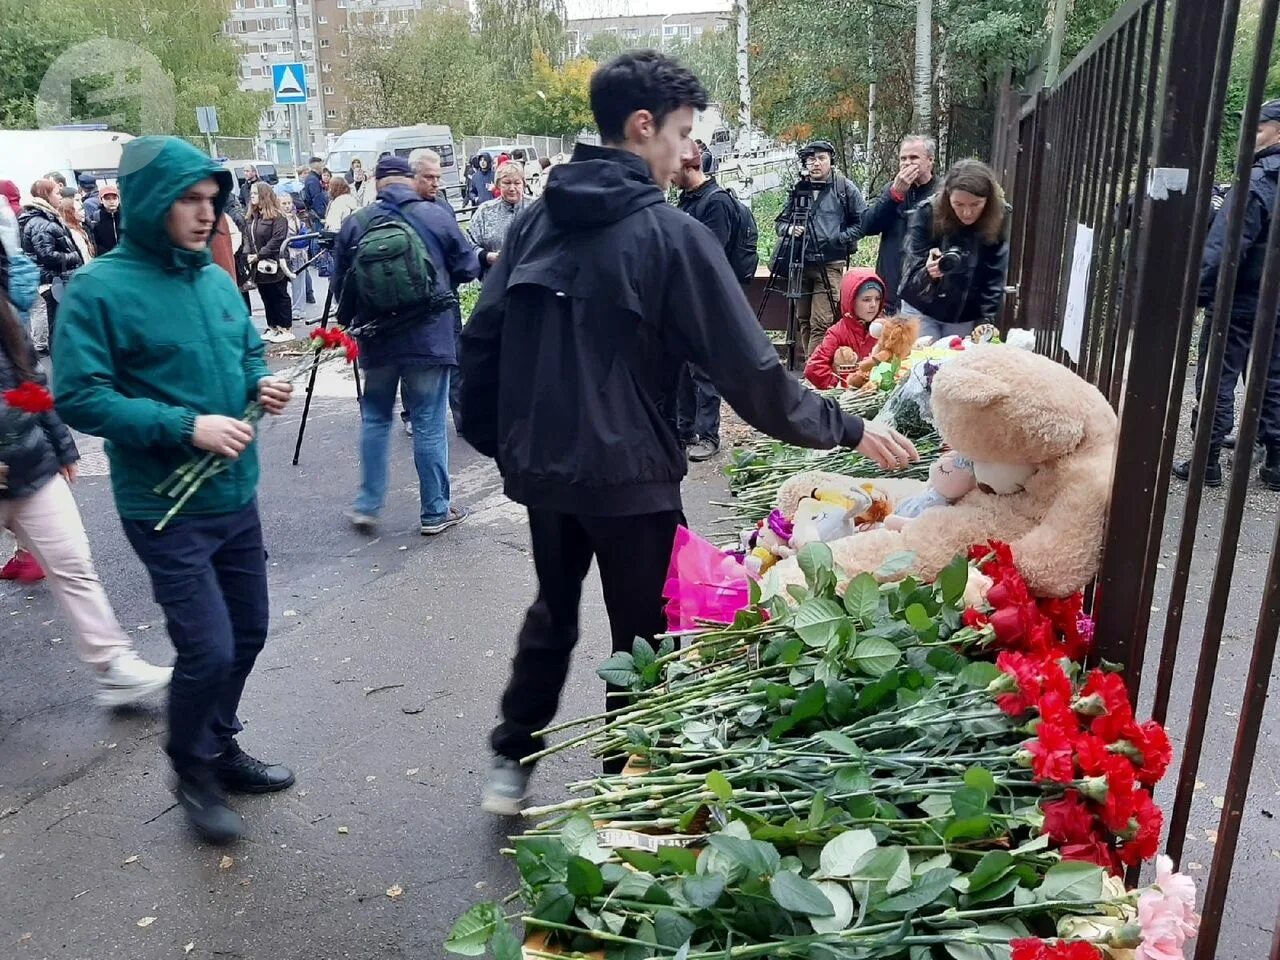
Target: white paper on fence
[[1077, 292]]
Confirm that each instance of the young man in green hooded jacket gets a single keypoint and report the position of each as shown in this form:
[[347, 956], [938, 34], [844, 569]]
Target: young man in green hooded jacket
[[157, 355]]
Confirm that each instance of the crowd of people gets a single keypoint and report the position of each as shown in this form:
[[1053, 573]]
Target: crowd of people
[[609, 326]]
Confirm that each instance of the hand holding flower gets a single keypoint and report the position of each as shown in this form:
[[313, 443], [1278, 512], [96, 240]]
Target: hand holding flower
[[274, 394]]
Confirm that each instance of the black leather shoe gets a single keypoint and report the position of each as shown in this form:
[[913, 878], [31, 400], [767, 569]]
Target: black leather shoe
[[241, 773], [1212, 472], [207, 811], [1269, 472]]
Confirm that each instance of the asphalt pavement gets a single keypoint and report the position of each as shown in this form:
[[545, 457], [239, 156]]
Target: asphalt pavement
[[379, 684]]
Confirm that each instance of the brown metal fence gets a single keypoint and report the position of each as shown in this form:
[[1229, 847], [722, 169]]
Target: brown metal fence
[[1110, 174]]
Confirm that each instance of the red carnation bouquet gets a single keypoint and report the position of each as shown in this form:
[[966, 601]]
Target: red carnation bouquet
[[324, 345]]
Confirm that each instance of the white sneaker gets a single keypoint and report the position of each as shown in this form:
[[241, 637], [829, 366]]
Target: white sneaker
[[269, 335], [285, 335], [129, 678]]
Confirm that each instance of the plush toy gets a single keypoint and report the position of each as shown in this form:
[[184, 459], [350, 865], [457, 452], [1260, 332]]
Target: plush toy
[[845, 363], [896, 337], [1042, 442], [950, 478]]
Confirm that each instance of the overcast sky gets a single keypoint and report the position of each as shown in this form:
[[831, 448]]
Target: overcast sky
[[612, 8]]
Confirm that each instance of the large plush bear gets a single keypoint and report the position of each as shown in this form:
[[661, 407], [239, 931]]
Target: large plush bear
[[1041, 441]]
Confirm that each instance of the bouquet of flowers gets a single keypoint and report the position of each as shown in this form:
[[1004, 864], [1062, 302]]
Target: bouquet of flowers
[[324, 346]]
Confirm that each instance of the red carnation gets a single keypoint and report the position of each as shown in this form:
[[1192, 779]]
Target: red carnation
[[1122, 791], [1145, 842], [1074, 950], [1026, 673], [29, 397], [1157, 753], [1068, 820], [1028, 949], [1055, 710], [1051, 754], [1064, 613], [1091, 754], [1108, 691], [974, 619], [1093, 852]]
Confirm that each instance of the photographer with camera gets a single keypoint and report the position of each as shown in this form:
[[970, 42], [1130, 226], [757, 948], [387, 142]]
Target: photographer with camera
[[823, 218], [888, 217], [957, 254]]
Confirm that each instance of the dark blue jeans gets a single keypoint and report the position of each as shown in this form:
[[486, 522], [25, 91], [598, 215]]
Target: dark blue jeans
[[1234, 364], [209, 574]]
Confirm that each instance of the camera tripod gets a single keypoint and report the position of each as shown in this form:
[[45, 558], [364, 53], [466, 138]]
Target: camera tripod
[[801, 205]]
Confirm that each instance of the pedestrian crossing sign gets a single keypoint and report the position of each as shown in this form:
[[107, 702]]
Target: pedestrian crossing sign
[[289, 80]]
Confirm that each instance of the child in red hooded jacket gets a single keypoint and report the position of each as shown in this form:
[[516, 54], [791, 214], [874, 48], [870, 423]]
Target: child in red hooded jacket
[[861, 300]]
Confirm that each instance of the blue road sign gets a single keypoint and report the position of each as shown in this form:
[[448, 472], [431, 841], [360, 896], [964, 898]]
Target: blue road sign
[[289, 80]]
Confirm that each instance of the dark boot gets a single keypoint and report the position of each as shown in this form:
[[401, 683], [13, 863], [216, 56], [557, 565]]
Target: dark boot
[[241, 773], [206, 808], [1212, 472], [1269, 472]]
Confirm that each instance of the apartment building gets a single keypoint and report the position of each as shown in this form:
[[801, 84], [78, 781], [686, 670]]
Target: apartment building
[[645, 29]]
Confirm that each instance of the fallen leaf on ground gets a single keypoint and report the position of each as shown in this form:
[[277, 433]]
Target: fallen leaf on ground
[[1200, 784], [343, 830], [290, 613], [394, 891], [146, 921], [1219, 802], [226, 862], [129, 860], [1195, 866], [189, 947], [1211, 836], [370, 779], [411, 772]]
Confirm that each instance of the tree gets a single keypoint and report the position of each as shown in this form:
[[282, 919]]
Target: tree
[[556, 100], [922, 118], [511, 30]]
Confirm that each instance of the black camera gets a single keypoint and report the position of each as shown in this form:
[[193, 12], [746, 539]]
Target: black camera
[[952, 259]]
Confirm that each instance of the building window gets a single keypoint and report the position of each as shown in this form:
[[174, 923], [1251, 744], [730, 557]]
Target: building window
[[326, 68], [304, 23], [611, 31], [306, 46], [328, 89], [721, 26], [631, 33], [331, 114], [404, 16], [342, 28], [324, 42], [246, 72], [675, 31], [697, 30], [322, 20], [342, 4]]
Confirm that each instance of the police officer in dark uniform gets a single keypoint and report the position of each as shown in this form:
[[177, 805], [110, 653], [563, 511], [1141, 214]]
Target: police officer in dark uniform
[[1260, 199]]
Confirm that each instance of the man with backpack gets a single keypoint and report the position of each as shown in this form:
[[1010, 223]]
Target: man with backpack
[[394, 265], [734, 227]]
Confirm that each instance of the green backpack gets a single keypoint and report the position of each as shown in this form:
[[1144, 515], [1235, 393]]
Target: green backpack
[[392, 274]]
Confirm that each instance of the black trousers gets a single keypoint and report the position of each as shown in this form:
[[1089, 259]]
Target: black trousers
[[697, 407], [51, 314], [633, 554], [276, 304], [1234, 365], [209, 575]]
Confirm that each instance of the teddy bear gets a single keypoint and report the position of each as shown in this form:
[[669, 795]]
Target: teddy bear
[[896, 338], [1042, 442], [950, 478]]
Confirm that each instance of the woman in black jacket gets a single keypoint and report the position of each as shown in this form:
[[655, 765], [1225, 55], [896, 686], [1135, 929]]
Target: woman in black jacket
[[106, 232], [39, 461], [957, 254], [48, 241], [268, 231]]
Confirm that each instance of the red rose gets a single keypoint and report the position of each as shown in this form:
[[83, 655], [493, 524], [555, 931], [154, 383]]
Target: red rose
[[1068, 820], [1093, 852], [1028, 949], [1157, 753], [1008, 626], [29, 397], [1051, 754], [974, 619], [1145, 842]]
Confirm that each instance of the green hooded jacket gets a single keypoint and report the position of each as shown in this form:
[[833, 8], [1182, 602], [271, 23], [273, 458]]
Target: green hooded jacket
[[150, 336]]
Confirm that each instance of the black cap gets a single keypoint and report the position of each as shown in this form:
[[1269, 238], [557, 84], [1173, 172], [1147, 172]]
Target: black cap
[[1270, 112], [817, 146]]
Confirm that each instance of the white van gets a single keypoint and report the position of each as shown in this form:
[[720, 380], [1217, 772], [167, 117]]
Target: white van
[[370, 145], [30, 154]]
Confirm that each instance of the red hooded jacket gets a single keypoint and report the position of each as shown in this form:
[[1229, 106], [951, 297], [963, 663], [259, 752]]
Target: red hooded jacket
[[9, 191], [849, 331]]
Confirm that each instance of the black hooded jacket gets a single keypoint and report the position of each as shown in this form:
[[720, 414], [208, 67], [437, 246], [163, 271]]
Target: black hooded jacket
[[33, 446], [1260, 200], [570, 360], [889, 218], [106, 232]]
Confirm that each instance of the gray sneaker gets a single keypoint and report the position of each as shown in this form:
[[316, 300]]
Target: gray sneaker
[[451, 519], [702, 449], [363, 522], [508, 785]]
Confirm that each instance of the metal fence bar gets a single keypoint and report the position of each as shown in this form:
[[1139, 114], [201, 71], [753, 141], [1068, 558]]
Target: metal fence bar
[[1122, 623]]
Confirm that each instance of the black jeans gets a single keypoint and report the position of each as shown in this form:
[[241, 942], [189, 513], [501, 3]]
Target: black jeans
[[1234, 363], [51, 313], [209, 574], [276, 304], [633, 553], [697, 407]]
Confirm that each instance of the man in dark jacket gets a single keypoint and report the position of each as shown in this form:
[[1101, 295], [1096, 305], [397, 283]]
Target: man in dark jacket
[[89, 197], [697, 402], [888, 216], [428, 173], [1259, 199], [416, 355], [129, 371], [249, 176], [106, 232], [569, 364], [314, 195], [834, 226]]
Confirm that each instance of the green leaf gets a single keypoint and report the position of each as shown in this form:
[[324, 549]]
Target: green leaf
[[842, 853], [634, 886], [798, 593], [888, 868], [642, 654], [896, 563], [505, 945], [840, 700], [924, 891], [668, 645], [841, 908], [966, 828], [995, 891], [640, 859], [993, 865], [585, 879], [719, 784], [851, 778], [703, 891], [842, 742], [818, 810], [555, 905], [816, 621], [919, 618], [862, 598], [756, 858], [798, 895], [1071, 880], [672, 929], [953, 579], [810, 703], [580, 838], [473, 929], [619, 670], [814, 558], [980, 779], [874, 656], [979, 674], [685, 861], [968, 802]]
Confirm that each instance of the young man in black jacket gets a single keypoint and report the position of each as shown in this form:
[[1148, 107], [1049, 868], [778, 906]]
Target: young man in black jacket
[[608, 291]]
